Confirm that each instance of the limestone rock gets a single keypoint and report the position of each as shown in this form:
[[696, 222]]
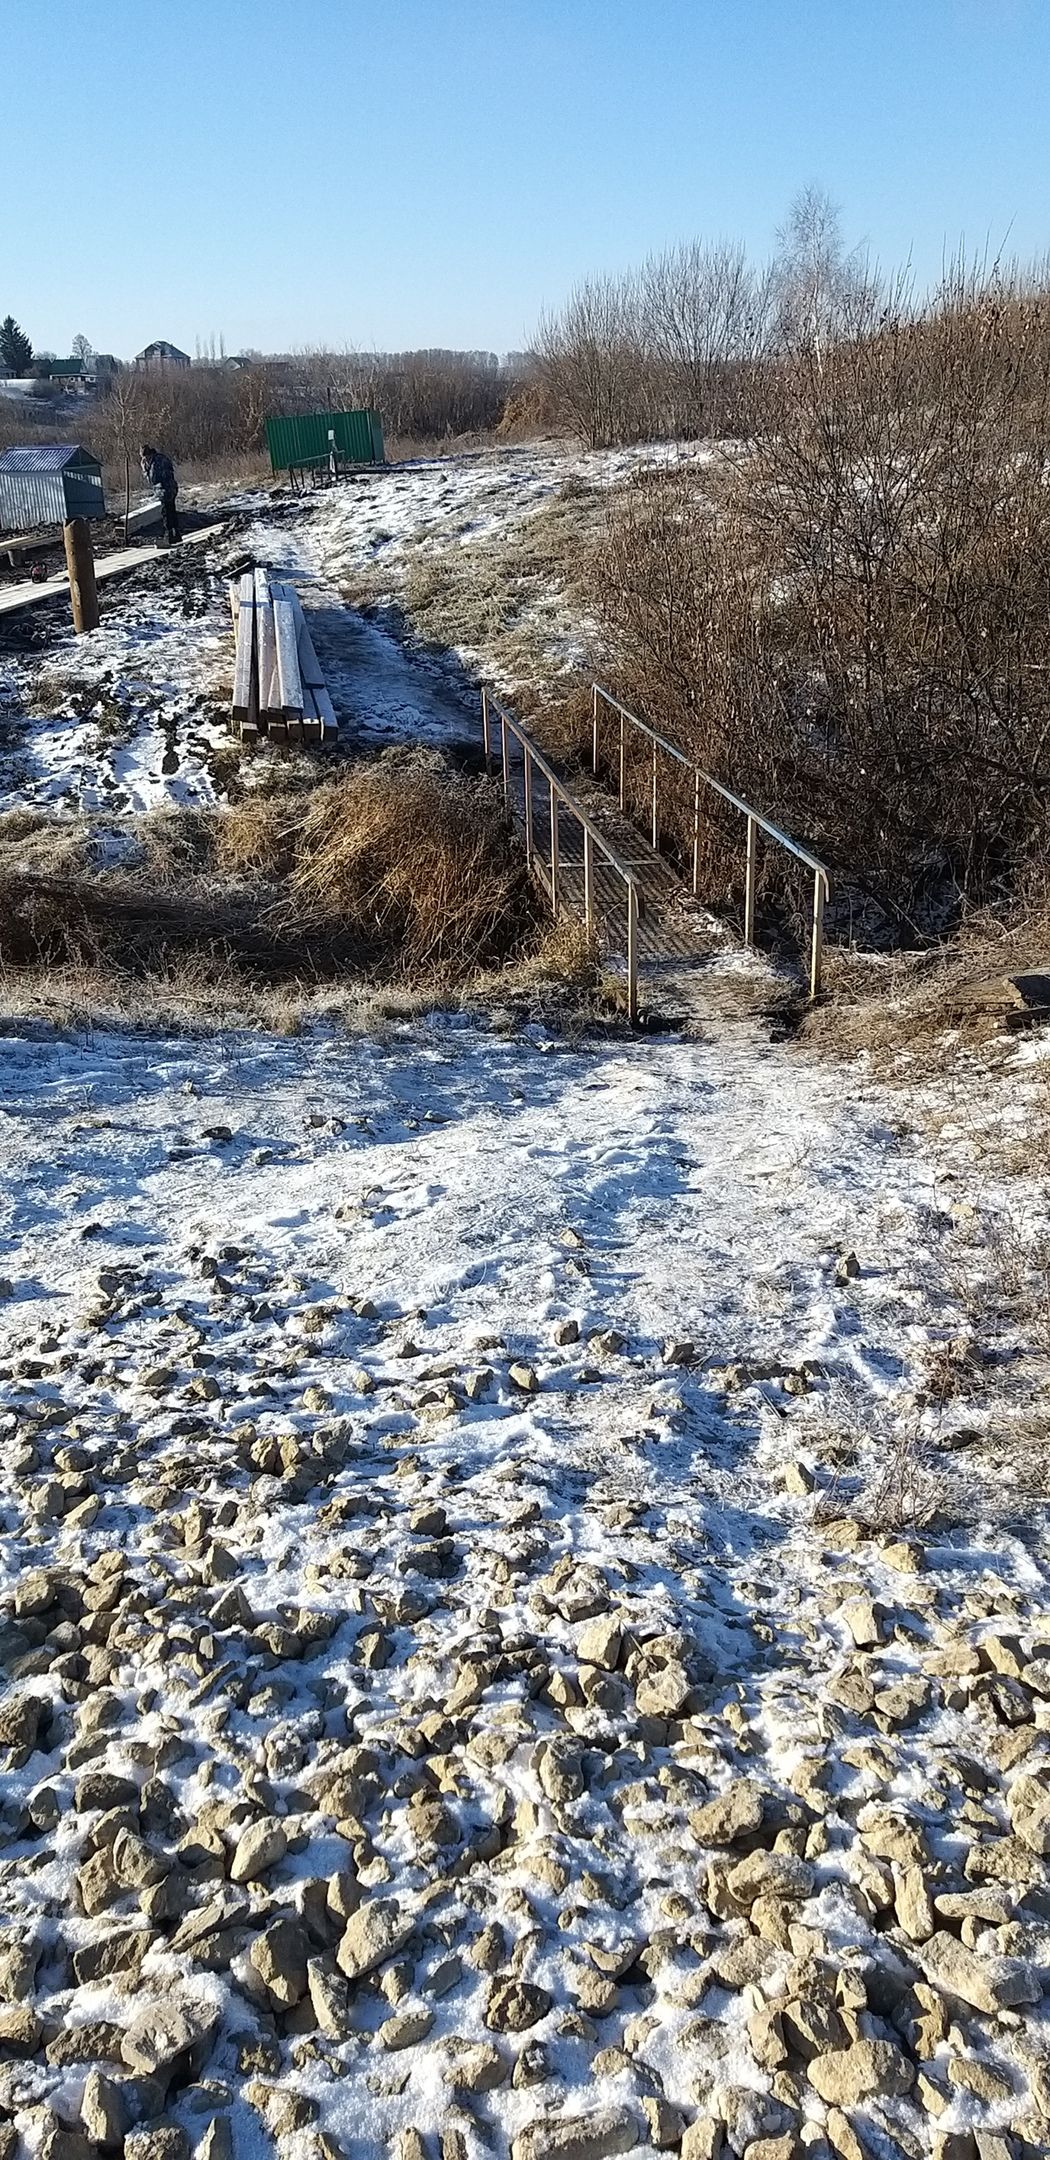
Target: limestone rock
[[770, 1874], [280, 1956], [477, 2067], [600, 1643], [662, 1690], [20, 2029], [850, 2074], [377, 1930], [912, 1899], [578, 2137], [735, 1813], [330, 1997], [161, 2037], [19, 1958], [703, 2139], [863, 1620], [407, 2030], [259, 1847], [665, 2121], [514, 2005], [1028, 1805], [988, 1984], [103, 2113]]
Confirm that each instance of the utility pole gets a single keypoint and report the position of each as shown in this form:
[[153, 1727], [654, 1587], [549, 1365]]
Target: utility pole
[[80, 561]]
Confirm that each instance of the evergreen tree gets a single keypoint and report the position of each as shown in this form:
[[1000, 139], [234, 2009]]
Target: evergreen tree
[[16, 351]]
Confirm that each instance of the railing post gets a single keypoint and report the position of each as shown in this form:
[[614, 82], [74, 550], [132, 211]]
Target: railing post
[[588, 880], [696, 834], [594, 729], [655, 833], [749, 882], [554, 849], [623, 765], [506, 755], [485, 730], [528, 805], [632, 953], [816, 949]]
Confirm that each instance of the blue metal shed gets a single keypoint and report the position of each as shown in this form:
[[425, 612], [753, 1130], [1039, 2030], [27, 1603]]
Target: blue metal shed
[[46, 483]]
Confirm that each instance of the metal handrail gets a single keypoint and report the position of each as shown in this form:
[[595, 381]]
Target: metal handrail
[[756, 822], [592, 837]]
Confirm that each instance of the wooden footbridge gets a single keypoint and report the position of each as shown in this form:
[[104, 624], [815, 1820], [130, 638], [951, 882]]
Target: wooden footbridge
[[591, 860]]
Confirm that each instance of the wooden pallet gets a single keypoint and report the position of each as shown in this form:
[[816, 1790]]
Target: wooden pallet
[[278, 687]]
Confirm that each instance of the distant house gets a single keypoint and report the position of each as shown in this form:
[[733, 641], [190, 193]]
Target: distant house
[[51, 369], [162, 355]]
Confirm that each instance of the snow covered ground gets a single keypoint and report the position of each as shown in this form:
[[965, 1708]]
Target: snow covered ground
[[134, 716], [455, 1686]]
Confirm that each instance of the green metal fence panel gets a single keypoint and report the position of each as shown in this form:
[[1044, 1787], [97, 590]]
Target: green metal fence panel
[[307, 438]]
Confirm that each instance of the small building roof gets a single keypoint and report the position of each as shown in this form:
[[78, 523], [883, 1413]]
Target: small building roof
[[162, 345], [44, 457]]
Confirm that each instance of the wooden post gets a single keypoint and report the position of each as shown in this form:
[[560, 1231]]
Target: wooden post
[[80, 561], [749, 882], [506, 755]]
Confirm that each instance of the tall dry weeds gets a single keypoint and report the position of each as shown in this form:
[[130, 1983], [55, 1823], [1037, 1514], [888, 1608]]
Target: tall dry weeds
[[422, 857]]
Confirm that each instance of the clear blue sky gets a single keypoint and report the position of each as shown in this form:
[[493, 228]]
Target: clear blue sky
[[417, 172]]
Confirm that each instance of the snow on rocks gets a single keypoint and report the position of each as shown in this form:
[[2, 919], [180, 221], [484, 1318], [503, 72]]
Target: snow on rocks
[[396, 1769]]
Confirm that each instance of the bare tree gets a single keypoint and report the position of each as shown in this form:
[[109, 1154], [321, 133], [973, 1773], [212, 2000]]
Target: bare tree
[[816, 281]]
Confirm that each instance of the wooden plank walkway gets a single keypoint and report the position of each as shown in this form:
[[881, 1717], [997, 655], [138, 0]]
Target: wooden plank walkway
[[13, 597], [679, 941]]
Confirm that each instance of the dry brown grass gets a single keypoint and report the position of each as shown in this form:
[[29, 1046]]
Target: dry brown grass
[[403, 872], [257, 836], [426, 857]]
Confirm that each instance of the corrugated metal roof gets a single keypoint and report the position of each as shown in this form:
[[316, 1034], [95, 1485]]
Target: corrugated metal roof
[[44, 457]]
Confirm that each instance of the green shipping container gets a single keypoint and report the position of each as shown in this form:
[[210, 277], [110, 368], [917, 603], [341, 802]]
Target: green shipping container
[[305, 439]]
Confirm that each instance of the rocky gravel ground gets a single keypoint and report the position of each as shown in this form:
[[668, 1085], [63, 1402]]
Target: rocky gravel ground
[[451, 1706]]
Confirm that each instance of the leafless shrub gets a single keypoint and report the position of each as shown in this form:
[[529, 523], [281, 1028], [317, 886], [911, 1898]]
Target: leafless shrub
[[908, 1492], [859, 640], [677, 347]]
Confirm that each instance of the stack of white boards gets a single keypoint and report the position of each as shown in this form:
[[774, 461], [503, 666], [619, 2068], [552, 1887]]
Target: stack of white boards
[[278, 688]]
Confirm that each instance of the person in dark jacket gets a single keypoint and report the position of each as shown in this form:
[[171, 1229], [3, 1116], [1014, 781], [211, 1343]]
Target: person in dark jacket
[[160, 472]]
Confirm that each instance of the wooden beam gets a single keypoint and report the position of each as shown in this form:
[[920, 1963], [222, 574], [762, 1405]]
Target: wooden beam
[[267, 650], [310, 669], [245, 709], [291, 682]]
